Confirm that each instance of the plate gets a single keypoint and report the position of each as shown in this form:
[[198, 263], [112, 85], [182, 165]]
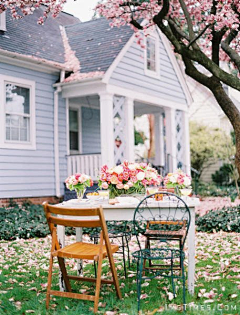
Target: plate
[[76, 201]]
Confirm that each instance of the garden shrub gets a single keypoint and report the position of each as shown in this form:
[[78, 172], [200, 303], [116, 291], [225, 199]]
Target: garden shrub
[[226, 219], [24, 221], [212, 190], [224, 175]]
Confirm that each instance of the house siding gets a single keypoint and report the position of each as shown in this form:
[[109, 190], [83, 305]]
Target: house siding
[[130, 74], [30, 173], [91, 142]]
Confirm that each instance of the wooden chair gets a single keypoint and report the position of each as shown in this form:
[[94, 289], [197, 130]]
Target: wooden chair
[[90, 218]]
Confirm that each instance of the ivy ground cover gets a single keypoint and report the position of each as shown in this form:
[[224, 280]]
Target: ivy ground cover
[[24, 270]]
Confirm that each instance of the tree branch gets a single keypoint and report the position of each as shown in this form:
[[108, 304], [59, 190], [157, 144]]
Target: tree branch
[[194, 73], [199, 35], [189, 23], [162, 13], [225, 45], [177, 30]]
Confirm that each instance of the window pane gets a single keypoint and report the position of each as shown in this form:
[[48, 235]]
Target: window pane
[[23, 134], [151, 54], [17, 99], [8, 133], [14, 134], [73, 140], [73, 120], [17, 128]]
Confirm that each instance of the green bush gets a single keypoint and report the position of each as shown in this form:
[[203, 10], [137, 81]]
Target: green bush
[[226, 219], [212, 190], [24, 221], [224, 175]]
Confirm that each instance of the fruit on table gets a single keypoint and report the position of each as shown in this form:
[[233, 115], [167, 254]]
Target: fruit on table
[[93, 194]]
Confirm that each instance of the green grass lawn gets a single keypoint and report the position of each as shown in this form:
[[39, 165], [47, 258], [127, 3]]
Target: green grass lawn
[[24, 270]]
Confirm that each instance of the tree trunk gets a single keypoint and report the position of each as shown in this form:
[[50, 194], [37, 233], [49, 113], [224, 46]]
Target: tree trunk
[[233, 115]]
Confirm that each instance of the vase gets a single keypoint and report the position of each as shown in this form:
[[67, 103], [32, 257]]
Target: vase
[[80, 193]]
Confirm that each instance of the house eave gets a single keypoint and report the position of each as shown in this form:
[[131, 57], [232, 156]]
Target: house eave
[[32, 62], [79, 82]]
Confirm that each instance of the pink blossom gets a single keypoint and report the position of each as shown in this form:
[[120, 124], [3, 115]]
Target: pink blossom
[[120, 186], [105, 185]]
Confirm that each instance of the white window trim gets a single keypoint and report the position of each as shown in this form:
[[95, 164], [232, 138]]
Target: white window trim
[[150, 73], [3, 21], [31, 145]]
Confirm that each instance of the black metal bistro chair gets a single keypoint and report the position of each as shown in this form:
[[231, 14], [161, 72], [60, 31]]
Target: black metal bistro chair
[[161, 228], [119, 233]]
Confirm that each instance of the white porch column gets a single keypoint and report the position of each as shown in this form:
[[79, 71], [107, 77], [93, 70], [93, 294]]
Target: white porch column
[[129, 129], [107, 137], [186, 138], [159, 142], [171, 138]]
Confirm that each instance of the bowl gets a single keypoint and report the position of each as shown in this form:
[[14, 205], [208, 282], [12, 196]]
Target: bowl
[[90, 196]]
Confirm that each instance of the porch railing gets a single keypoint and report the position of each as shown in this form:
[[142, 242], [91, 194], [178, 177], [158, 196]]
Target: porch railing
[[89, 164]]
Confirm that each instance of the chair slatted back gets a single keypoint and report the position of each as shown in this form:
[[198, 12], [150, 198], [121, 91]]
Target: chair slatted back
[[73, 217]]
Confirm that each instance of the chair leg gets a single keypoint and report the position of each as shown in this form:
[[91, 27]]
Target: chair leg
[[139, 281], [172, 278], [49, 282], [115, 277], [184, 286], [128, 251], [124, 261], [98, 284], [64, 274]]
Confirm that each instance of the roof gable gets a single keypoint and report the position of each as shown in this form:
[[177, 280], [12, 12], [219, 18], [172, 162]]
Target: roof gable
[[97, 44]]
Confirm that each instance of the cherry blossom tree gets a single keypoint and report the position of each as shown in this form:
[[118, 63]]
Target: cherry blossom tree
[[205, 33]]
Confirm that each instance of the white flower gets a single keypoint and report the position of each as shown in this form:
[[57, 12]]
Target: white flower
[[140, 175], [173, 179], [132, 166], [118, 169], [126, 186], [187, 181]]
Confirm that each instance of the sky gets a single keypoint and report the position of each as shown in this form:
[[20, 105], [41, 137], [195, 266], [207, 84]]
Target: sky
[[83, 9]]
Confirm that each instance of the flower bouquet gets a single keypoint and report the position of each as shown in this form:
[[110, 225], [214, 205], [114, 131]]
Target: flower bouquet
[[179, 181], [79, 183], [128, 178]]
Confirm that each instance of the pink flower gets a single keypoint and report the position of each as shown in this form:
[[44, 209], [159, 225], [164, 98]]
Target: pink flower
[[114, 180], [134, 179], [120, 186], [105, 185], [130, 184]]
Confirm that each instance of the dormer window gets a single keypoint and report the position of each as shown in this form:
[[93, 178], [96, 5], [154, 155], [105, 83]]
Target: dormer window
[[3, 21], [151, 56]]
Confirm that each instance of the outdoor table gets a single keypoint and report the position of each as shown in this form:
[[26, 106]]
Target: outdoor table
[[124, 211]]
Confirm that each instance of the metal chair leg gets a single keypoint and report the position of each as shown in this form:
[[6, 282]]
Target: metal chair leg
[[172, 278], [124, 262], [184, 286], [128, 251]]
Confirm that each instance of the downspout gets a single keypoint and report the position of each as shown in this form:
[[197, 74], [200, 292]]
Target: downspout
[[56, 140]]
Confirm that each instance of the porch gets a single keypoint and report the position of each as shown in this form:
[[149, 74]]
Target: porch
[[101, 131]]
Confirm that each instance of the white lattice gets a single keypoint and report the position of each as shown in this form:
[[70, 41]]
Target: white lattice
[[179, 138], [118, 124]]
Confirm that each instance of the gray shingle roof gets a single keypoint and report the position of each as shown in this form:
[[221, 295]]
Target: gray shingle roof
[[26, 37], [97, 44]]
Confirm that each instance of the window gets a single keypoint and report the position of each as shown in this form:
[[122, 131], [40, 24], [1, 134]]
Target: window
[[73, 130], [17, 111], [18, 119], [151, 56]]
